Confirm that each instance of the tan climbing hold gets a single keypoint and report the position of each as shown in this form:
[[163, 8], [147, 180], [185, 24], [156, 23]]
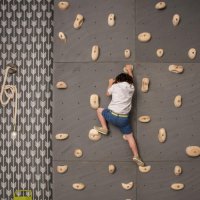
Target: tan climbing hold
[[94, 101], [178, 101], [61, 136], [176, 19], [159, 52], [63, 5], [62, 169], [62, 37], [61, 85], [144, 119], [192, 53], [125, 70], [78, 153], [78, 21], [94, 135], [127, 53], [95, 52], [162, 135], [145, 85], [111, 19], [78, 186], [177, 170], [144, 37], [127, 186], [111, 168], [176, 69], [193, 151], [160, 5], [145, 169], [177, 186]]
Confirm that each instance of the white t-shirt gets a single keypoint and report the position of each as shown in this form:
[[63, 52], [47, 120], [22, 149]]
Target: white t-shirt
[[122, 94]]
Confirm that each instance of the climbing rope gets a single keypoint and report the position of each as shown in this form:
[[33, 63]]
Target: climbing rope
[[10, 92]]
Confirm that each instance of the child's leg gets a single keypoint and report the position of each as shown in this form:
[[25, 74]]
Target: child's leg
[[101, 118], [132, 143]]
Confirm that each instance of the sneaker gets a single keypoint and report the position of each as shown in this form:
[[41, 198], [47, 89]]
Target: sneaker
[[101, 130], [138, 160]]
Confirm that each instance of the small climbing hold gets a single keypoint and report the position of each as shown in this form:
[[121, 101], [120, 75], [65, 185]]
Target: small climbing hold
[[176, 69], [111, 19], [62, 37], [193, 151], [111, 168], [63, 5], [160, 52], [177, 170], [145, 85], [78, 21], [144, 119], [162, 135], [94, 101], [178, 101], [95, 52], [127, 186], [62, 169], [61, 85], [127, 53], [144, 37], [177, 186], [192, 53], [176, 19], [61, 136], [145, 169], [78, 153], [94, 135], [160, 5], [125, 70], [79, 186]]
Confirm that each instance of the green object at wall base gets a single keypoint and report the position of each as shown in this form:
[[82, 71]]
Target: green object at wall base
[[23, 195]]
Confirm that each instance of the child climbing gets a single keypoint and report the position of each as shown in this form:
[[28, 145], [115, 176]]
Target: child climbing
[[121, 89]]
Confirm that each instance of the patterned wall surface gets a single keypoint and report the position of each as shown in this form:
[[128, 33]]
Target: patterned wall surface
[[26, 40]]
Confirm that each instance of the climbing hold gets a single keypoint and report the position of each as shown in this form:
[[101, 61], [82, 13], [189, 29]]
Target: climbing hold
[[144, 37], [94, 135], [78, 21], [145, 169], [178, 101], [193, 151], [162, 135], [111, 19], [111, 168], [63, 5], [127, 53], [192, 53], [78, 153], [61, 136], [125, 70], [160, 5], [177, 186], [95, 52], [160, 52], [78, 186], [176, 19], [61, 85], [62, 37], [145, 85], [127, 186], [144, 119], [176, 69], [177, 170], [94, 101], [62, 169]]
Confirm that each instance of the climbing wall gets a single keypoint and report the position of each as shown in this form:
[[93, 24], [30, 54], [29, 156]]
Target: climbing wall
[[26, 40], [73, 115]]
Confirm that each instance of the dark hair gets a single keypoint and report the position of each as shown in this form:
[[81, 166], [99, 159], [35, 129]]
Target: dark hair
[[124, 78]]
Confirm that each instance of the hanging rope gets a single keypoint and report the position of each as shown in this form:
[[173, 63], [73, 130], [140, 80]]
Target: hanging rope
[[10, 92]]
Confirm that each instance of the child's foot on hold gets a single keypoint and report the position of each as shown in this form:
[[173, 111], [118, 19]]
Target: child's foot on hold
[[124, 137], [138, 161], [101, 130]]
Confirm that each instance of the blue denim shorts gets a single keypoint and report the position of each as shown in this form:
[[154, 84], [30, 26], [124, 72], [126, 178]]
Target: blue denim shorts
[[121, 122]]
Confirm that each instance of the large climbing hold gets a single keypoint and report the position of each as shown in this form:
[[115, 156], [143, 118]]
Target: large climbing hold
[[177, 186], [177, 170], [193, 151], [162, 135], [62, 37], [111, 168], [78, 186], [192, 53], [144, 37], [145, 169], [62, 136], [78, 153], [176, 19], [145, 85], [94, 135], [61, 85], [94, 101], [95, 52], [160, 5], [78, 21], [178, 69], [127, 186], [127, 53], [63, 5], [144, 119], [62, 169], [159, 52], [178, 101], [111, 19]]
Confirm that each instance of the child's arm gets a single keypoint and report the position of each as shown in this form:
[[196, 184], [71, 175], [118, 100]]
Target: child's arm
[[110, 83], [129, 70]]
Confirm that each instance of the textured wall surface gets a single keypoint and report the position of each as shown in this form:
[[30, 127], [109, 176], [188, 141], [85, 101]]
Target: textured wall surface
[[26, 39]]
